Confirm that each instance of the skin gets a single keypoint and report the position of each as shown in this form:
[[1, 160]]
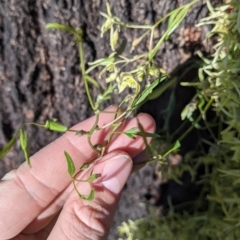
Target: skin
[[40, 202]]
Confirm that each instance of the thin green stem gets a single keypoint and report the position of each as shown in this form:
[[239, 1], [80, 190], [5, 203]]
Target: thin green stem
[[90, 144], [82, 65], [93, 129], [116, 132], [115, 120], [75, 188], [113, 128], [95, 125], [126, 25], [74, 131], [35, 124]]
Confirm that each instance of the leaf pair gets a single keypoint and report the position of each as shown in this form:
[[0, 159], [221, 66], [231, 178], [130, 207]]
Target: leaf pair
[[72, 170], [133, 132]]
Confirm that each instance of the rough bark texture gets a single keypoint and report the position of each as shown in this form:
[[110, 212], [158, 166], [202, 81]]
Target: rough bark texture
[[40, 76]]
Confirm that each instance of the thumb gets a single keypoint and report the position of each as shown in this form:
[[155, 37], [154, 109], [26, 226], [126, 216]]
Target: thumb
[[81, 219]]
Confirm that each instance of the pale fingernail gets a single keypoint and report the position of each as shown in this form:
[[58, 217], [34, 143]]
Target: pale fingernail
[[116, 172]]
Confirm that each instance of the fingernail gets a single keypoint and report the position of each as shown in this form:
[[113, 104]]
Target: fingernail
[[116, 172]]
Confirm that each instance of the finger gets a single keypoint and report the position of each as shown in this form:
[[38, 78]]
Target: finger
[[81, 219], [125, 143]]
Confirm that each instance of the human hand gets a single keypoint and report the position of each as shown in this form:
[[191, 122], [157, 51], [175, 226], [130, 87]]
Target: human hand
[[41, 203]]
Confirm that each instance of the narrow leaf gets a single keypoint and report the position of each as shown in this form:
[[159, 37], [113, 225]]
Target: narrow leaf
[[92, 81], [70, 163], [23, 138], [135, 131], [9, 145], [147, 91], [24, 145], [147, 134], [63, 27], [176, 21], [172, 17]]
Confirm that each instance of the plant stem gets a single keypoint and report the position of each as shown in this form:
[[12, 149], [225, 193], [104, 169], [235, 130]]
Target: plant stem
[[89, 134], [197, 120], [115, 120], [36, 124], [82, 65]]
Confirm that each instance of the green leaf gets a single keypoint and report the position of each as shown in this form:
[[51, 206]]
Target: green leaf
[[147, 134], [175, 20], [177, 17], [104, 61], [70, 163], [92, 81], [174, 148], [147, 91], [132, 136], [173, 15], [63, 27], [9, 145], [106, 95], [93, 177], [90, 196], [23, 138], [133, 132], [84, 166], [54, 126], [24, 145]]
